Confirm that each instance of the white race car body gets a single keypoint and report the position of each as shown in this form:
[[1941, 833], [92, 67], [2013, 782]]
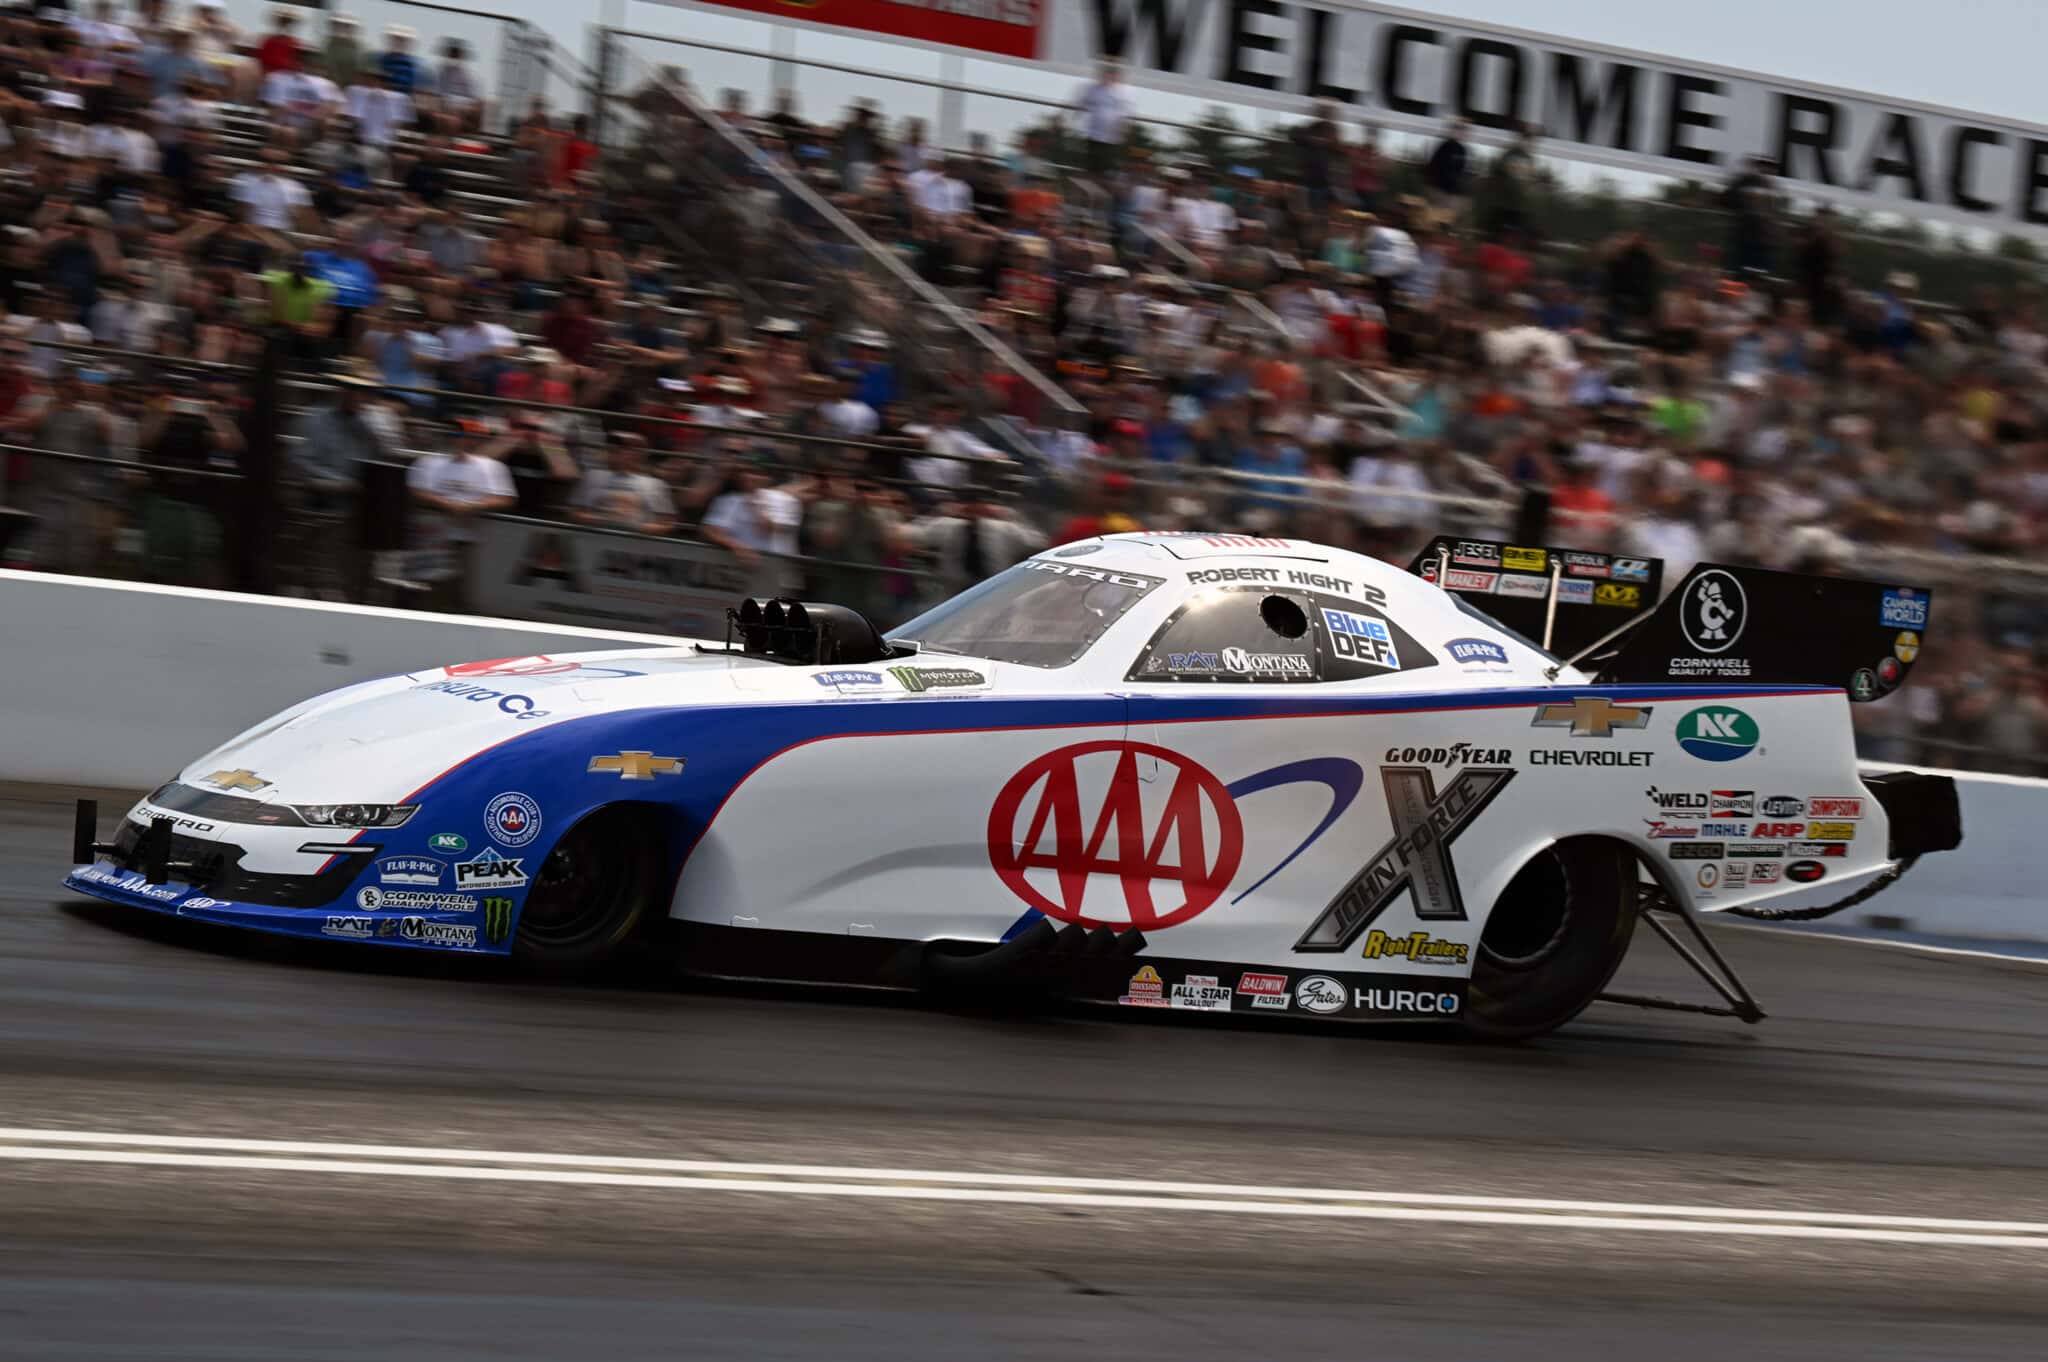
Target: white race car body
[[1136, 746]]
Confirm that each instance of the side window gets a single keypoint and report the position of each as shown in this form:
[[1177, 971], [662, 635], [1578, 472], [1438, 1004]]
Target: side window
[[1236, 633]]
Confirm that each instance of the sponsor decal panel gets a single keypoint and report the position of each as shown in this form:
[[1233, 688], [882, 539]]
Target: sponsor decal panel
[[1766, 872], [1834, 806], [1659, 830], [447, 841], [1618, 593], [1457, 754], [1200, 993], [1417, 948], [489, 870], [1574, 591], [1603, 756], [1586, 564], [1528, 588], [1464, 579], [1805, 872], [1735, 874], [634, 766], [422, 871], [1525, 560], [1724, 829], [1321, 994], [1708, 876], [1906, 647], [1679, 803], [1476, 652], [1717, 733], [497, 912], [1265, 990], [1145, 989], [1831, 832], [430, 933], [918, 680], [1361, 638], [1699, 851], [234, 780], [1631, 569], [349, 926], [1477, 555], [1827, 849], [1782, 806], [1756, 851], [1405, 1002], [513, 818], [1733, 804], [1592, 716], [374, 900], [1779, 830], [1903, 608]]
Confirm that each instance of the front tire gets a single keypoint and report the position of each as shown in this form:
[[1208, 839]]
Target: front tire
[[1554, 939], [595, 894]]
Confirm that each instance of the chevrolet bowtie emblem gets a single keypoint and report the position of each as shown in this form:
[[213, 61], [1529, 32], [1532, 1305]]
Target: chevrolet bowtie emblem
[[1592, 716], [235, 780], [635, 765]]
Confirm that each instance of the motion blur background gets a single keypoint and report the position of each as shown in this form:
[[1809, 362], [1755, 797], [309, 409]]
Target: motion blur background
[[611, 322]]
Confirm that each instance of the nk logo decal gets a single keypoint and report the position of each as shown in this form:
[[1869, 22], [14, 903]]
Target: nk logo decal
[[1418, 859], [1718, 733], [1118, 865]]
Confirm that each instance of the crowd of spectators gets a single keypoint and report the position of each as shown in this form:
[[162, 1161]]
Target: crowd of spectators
[[1320, 336]]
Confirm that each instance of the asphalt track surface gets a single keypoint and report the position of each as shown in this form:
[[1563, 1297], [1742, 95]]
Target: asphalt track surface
[[1886, 1083]]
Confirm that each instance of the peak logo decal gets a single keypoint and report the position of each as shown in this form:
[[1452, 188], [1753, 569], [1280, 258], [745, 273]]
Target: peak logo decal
[[1417, 861], [1168, 864]]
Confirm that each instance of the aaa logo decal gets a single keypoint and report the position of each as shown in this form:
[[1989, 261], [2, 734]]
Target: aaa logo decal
[[1118, 863]]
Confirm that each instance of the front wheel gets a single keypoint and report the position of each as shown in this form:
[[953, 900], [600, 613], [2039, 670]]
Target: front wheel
[[1554, 938], [595, 893]]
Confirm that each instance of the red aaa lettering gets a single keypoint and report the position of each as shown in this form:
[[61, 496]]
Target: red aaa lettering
[[1055, 834]]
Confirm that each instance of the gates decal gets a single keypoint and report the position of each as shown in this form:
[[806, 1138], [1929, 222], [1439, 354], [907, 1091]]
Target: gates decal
[[1195, 846]]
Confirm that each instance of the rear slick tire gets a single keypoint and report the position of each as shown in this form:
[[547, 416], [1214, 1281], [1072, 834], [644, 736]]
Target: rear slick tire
[[1553, 940], [595, 895]]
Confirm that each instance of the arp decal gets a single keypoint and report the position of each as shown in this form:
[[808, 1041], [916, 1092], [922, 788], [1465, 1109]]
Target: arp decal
[[1053, 833], [1417, 860]]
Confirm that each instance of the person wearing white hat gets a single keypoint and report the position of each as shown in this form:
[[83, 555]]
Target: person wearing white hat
[[397, 64], [215, 39], [344, 50]]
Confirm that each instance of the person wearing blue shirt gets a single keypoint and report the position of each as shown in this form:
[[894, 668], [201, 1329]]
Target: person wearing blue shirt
[[355, 283], [396, 62], [1273, 456]]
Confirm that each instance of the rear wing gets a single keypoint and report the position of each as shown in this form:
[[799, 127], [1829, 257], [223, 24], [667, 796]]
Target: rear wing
[[1564, 599], [1778, 628], [1721, 623]]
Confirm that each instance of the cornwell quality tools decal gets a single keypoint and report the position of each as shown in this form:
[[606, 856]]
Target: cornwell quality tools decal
[[635, 766], [1417, 860]]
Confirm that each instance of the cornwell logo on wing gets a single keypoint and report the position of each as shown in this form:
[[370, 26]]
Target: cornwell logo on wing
[[1712, 617], [1417, 860], [1129, 860]]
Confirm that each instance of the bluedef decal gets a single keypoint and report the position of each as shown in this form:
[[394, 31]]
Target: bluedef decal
[[1417, 860]]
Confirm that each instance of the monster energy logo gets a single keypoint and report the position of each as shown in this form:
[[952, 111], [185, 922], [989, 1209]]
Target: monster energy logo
[[917, 679], [497, 919]]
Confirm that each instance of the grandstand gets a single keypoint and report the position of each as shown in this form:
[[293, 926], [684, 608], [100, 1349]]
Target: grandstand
[[335, 312]]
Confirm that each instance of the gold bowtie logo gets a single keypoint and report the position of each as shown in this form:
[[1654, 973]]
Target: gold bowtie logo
[[1592, 716], [635, 765], [235, 780]]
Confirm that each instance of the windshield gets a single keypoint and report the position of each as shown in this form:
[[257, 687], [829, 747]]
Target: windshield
[[1040, 613], [1476, 613]]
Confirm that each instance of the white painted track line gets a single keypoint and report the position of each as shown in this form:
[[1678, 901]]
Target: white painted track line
[[308, 1157]]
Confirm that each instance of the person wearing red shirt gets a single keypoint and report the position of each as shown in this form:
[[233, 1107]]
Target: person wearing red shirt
[[279, 51]]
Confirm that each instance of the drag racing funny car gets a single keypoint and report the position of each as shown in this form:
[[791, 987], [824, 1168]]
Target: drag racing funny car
[[1213, 773]]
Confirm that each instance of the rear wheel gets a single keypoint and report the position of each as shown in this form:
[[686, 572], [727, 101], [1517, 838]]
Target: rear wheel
[[595, 893], [1554, 938]]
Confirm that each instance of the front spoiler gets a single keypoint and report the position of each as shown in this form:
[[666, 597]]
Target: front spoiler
[[448, 931]]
